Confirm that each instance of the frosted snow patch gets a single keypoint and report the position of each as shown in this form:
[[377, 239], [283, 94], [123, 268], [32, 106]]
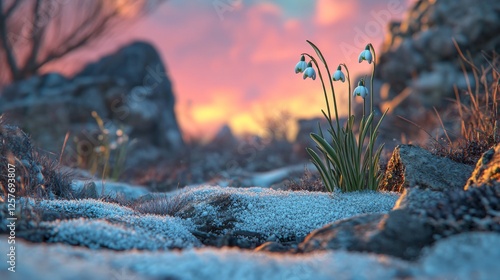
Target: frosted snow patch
[[89, 208], [451, 258], [59, 261], [97, 224], [286, 213], [129, 232]]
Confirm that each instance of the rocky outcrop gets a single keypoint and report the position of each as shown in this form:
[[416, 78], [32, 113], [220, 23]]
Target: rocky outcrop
[[130, 93], [422, 45], [417, 198], [419, 64], [411, 166]]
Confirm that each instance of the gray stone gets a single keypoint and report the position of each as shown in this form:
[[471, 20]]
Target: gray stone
[[487, 171], [398, 234], [419, 56], [129, 90], [272, 247], [149, 100], [52, 80], [472, 255], [417, 199], [411, 166], [343, 235]]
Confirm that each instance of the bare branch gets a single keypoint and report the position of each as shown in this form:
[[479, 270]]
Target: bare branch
[[51, 29], [12, 7], [11, 59], [75, 41], [37, 35]]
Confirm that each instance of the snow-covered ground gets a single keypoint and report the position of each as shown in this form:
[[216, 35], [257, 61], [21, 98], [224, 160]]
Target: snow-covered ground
[[466, 256], [143, 243], [283, 213]]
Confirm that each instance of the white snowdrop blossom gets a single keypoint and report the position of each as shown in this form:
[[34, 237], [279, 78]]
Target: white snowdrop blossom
[[360, 90], [366, 54], [338, 75], [309, 72], [301, 65]]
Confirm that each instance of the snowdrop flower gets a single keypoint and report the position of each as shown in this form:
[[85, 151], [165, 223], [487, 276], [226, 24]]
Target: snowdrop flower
[[338, 75], [366, 55], [309, 72], [301, 66], [360, 90]]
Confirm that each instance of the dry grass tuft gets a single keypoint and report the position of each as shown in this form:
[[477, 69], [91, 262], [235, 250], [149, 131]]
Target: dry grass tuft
[[478, 111], [163, 204], [36, 175], [308, 182]]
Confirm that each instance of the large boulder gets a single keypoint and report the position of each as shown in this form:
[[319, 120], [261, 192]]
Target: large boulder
[[130, 93]]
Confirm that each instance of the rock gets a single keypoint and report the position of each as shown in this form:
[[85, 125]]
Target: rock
[[342, 235], [487, 171], [88, 191], [128, 90], [475, 209], [417, 198], [429, 29], [224, 137], [52, 80], [419, 57], [464, 256], [398, 234], [402, 235], [150, 96], [412, 166], [117, 190], [271, 247]]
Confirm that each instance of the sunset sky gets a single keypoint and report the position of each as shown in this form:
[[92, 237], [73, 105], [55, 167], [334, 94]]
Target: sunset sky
[[232, 61]]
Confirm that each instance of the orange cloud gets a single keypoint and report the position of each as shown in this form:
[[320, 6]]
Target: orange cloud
[[332, 11]]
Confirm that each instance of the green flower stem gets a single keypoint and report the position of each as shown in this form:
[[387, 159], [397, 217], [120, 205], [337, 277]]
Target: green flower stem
[[329, 167], [364, 105], [333, 96], [322, 84], [349, 92], [371, 83], [370, 149], [322, 58]]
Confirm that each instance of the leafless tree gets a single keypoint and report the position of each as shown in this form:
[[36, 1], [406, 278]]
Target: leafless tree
[[36, 32]]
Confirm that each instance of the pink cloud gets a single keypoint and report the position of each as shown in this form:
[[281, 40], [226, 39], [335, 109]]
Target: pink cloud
[[224, 71]]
